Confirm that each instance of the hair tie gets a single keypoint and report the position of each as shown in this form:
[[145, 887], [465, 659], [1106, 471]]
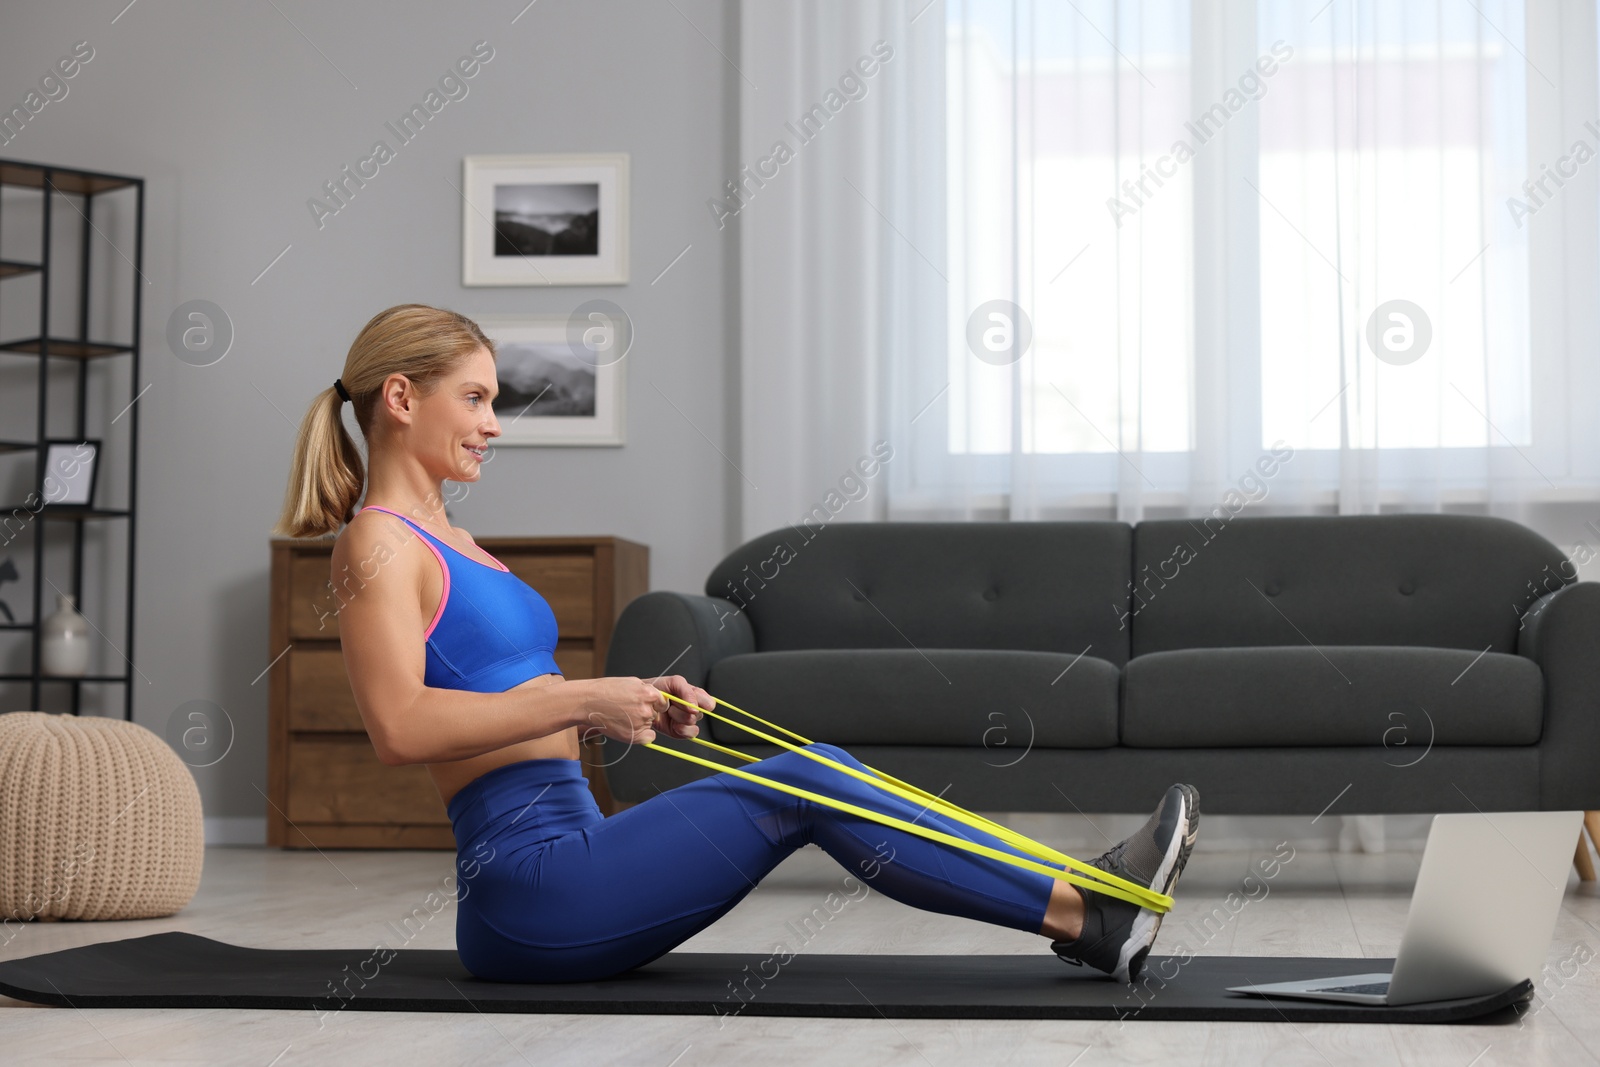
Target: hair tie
[[339, 387]]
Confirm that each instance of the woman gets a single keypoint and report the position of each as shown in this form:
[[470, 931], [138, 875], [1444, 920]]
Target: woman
[[450, 659]]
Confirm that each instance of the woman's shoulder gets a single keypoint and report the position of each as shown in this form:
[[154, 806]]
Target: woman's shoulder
[[370, 538]]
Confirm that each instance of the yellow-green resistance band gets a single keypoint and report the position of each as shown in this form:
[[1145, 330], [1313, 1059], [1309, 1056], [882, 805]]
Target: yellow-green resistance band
[[948, 807], [928, 799], [955, 811], [1099, 881], [1147, 897]]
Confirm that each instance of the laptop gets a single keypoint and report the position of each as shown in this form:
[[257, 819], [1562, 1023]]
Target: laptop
[[1482, 913]]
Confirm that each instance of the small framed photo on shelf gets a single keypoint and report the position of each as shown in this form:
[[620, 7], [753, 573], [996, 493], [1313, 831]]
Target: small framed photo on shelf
[[70, 469], [561, 380], [545, 219]]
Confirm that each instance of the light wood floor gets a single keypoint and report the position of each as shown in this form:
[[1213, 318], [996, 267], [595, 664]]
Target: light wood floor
[[1323, 904]]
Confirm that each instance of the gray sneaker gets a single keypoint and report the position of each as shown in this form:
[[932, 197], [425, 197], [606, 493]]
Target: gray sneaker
[[1117, 934]]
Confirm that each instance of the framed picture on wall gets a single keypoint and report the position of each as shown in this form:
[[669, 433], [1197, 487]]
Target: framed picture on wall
[[545, 219], [559, 385], [70, 469]]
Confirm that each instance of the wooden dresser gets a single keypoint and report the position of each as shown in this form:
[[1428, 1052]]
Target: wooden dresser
[[327, 786]]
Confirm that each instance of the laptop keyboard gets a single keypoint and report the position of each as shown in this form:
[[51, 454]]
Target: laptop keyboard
[[1371, 987]]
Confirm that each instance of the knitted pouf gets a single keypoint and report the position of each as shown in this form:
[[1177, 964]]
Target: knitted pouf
[[99, 819]]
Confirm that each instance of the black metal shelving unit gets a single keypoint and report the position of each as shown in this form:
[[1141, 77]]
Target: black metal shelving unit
[[87, 185]]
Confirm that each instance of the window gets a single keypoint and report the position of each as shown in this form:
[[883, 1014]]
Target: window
[[1353, 163]]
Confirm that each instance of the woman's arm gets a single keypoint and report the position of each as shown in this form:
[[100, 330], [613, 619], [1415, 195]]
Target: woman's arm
[[378, 575], [441, 725]]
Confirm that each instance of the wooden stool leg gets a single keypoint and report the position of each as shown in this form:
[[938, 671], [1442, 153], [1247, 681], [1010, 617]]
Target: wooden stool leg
[[1581, 860]]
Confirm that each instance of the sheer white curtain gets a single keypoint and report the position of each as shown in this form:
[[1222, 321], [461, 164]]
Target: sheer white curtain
[[839, 277], [1395, 347], [1254, 231], [1096, 258], [1068, 358]]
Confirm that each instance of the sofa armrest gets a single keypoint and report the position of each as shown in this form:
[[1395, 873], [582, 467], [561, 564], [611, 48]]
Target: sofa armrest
[[1561, 633], [677, 633]]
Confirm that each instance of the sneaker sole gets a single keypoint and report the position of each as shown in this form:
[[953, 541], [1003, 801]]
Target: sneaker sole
[[1147, 923]]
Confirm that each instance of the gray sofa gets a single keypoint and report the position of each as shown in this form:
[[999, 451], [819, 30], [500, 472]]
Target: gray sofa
[[1285, 665]]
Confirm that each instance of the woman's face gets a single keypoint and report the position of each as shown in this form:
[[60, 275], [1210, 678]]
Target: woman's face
[[454, 423]]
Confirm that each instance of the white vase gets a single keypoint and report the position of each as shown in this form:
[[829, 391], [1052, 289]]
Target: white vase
[[64, 640]]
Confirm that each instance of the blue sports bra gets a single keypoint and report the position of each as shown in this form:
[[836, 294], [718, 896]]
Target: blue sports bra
[[491, 632]]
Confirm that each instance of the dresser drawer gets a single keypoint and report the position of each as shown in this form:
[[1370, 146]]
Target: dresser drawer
[[313, 604], [339, 779], [319, 694], [575, 662]]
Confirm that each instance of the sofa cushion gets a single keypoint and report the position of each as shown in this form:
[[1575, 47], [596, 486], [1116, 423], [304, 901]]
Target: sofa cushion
[[1005, 700], [1435, 580], [1041, 586], [1396, 697]]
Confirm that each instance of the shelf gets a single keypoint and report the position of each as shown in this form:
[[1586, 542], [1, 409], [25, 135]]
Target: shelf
[[65, 677], [61, 215], [75, 512], [66, 347], [83, 182]]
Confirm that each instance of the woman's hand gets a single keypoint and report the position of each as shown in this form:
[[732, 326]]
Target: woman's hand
[[632, 710], [679, 721]]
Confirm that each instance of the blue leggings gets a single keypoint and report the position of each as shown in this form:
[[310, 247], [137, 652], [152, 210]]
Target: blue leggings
[[550, 890]]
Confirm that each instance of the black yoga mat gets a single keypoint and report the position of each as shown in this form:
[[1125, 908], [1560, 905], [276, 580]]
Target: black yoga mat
[[176, 969]]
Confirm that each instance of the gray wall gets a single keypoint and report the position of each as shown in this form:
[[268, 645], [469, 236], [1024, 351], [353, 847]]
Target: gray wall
[[235, 118]]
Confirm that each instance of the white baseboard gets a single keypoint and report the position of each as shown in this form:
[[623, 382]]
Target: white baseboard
[[236, 829]]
